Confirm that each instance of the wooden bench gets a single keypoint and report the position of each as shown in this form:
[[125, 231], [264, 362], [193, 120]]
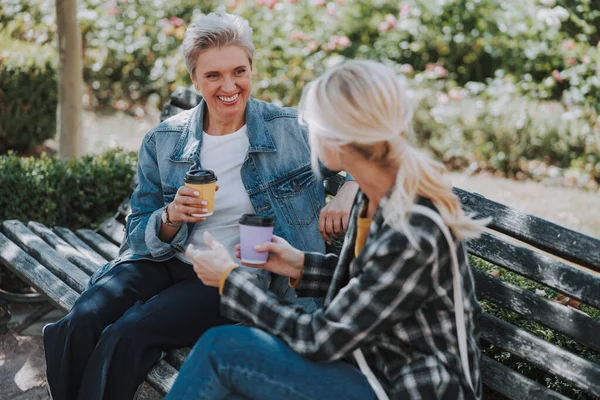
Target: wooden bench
[[58, 262]]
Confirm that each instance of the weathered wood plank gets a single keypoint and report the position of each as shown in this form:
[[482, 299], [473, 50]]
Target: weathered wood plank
[[162, 377], [583, 373], [538, 267], [177, 357], [87, 265], [101, 245], [36, 275], [556, 316], [112, 230], [512, 384], [550, 237], [79, 245], [46, 255]]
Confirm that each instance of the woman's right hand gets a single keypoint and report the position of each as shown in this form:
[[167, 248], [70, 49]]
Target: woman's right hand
[[283, 259], [186, 202]]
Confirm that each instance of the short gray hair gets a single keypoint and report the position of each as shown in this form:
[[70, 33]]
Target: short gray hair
[[216, 30]]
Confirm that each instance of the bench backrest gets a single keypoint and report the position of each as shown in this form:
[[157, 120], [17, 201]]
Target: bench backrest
[[562, 268]]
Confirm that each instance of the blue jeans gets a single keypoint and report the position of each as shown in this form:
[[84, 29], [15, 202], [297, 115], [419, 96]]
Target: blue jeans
[[237, 362]]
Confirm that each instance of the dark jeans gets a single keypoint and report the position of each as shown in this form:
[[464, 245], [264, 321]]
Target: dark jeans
[[116, 331]]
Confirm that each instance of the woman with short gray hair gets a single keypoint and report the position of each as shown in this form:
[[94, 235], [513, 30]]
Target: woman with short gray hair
[[149, 299]]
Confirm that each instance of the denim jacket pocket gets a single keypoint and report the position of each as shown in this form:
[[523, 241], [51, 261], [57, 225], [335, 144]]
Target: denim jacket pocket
[[297, 194]]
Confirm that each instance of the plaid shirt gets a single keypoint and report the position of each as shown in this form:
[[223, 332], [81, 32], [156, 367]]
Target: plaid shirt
[[394, 302]]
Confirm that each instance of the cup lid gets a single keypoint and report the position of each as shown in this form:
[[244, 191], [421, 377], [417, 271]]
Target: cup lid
[[200, 176], [256, 220]]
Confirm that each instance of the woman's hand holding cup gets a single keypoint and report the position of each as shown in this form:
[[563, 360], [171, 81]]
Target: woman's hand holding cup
[[283, 259], [185, 204]]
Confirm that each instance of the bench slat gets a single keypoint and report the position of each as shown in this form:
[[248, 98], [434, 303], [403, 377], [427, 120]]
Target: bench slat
[[556, 316], [101, 245], [112, 230], [512, 384], [46, 255], [539, 267], [63, 248], [36, 275], [79, 245], [550, 237], [162, 377], [177, 357], [583, 373]]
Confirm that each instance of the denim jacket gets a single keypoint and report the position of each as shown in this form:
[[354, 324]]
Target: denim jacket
[[276, 173]]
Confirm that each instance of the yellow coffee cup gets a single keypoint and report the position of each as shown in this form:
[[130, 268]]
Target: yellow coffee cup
[[204, 182]]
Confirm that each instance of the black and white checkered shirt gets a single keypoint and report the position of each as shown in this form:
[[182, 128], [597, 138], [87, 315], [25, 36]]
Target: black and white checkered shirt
[[393, 301]]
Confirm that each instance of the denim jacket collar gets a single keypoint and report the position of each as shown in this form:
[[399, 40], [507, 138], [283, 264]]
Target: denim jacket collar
[[190, 142]]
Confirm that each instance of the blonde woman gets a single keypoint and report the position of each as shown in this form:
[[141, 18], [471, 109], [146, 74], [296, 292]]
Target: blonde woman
[[399, 319]]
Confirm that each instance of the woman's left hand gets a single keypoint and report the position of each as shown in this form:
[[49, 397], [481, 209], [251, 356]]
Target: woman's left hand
[[209, 265]]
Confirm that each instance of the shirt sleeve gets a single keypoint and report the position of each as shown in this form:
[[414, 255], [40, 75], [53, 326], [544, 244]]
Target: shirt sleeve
[[395, 281], [317, 273], [147, 204]]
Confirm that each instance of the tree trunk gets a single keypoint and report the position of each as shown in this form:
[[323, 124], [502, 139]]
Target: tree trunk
[[70, 77]]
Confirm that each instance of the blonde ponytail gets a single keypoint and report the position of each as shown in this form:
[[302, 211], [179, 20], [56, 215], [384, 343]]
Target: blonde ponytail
[[363, 103]]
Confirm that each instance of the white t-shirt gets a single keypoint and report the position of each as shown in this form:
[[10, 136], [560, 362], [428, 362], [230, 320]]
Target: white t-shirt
[[224, 155]]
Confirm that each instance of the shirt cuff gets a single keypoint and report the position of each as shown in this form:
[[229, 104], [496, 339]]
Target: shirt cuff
[[224, 276], [157, 247]]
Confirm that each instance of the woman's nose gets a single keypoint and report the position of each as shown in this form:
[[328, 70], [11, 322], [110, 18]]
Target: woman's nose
[[228, 85]]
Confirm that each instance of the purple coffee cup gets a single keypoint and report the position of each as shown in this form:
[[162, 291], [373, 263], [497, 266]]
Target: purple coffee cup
[[254, 230]]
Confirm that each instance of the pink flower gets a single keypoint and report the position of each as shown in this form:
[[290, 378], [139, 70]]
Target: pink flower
[[296, 35], [407, 69], [319, 3], [331, 13], [343, 42], [176, 21], [568, 44], [312, 45], [571, 61], [437, 70], [556, 76], [112, 9], [586, 59], [405, 10], [442, 98], [598, 45], [271, 3], [390, 19], [455, 95], [384, 26]]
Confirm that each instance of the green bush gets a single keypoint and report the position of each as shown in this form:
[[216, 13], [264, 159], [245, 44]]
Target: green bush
[[74, 194], [491, 127], [28, 95]]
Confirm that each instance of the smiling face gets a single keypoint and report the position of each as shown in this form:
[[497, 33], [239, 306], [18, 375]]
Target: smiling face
[[223, 75]]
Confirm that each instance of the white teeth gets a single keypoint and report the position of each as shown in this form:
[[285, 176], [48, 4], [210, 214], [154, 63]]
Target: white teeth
[[229, 99]]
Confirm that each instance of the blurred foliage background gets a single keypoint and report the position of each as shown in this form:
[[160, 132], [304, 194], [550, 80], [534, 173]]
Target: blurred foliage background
[[509, 86]]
